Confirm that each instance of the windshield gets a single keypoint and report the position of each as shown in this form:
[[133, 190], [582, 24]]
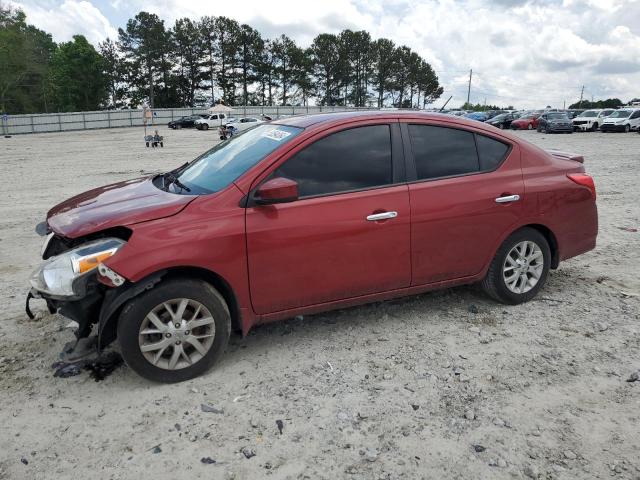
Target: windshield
[[557, 116], [225, 162], [589, 113], [620, 114]]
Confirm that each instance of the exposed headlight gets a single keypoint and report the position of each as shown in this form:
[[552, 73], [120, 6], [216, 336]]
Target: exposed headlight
[[57, 274]]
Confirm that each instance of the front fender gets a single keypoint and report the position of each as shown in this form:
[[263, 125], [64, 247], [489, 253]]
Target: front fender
[[113, 301]]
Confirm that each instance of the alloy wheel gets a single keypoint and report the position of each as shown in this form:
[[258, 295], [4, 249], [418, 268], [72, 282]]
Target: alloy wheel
[[176, 334], [523, 267]]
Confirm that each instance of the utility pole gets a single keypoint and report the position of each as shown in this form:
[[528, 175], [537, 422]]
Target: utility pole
[[469, 89], [581, 93]]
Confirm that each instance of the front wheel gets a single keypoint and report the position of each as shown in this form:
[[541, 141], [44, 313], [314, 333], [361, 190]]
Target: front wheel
[[627, 128], [175, 331], [205, 126], [520, 267], [594, 127]]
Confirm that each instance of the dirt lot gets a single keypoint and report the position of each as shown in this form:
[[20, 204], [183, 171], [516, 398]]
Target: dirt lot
[[406, 389]]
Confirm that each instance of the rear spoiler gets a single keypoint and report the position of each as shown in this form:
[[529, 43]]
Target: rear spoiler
[[566, 156]]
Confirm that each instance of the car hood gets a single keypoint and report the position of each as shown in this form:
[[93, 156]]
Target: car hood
[[119, 204]]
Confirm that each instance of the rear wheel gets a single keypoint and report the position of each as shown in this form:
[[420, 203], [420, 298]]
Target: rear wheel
[[530, 126], [174, 332], [520, 267]]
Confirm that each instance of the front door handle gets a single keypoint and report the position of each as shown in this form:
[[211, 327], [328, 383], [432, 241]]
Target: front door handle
[[508, 198], [381, 216]]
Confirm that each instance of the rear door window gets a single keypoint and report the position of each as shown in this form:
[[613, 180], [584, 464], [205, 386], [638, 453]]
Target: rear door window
[[491, 152], [354, 159], [445, 152], [442, 152]]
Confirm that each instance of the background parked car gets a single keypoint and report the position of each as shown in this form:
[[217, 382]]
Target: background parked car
[[479, 116], [503, 120], [575, 112], [623, 120], [212, 120], [184, 122], [527, 122], [591, 119], [243, 123], [557, 122]]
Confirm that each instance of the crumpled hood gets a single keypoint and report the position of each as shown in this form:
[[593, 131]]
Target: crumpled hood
[[119, 204]]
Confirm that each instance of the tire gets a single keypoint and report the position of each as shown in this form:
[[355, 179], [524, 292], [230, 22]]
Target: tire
[[594, 127], [134, 317], [539, 130], [530, 127], [494, 283], [205, 126], [179, 127], [627, 128]]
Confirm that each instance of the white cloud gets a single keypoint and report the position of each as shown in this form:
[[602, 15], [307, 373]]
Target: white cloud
[[68, 18], [523, 52]]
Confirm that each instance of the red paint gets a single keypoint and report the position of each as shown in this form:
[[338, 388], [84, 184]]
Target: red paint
[[528, 123], [122, 203], [277, 190], [317, 254]]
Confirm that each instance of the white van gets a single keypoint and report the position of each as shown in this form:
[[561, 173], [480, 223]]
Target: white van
[[211, 120], [623, 120], [591, 119]]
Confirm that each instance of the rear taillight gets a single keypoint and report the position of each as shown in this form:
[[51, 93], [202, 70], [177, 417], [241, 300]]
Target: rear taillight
[[584, 180]]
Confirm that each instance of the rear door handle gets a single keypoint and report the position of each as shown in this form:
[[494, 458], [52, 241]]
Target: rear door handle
[[508, 198], [381, 216]]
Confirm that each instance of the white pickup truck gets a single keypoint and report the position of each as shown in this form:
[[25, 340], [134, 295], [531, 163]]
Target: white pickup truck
[[211, 120]]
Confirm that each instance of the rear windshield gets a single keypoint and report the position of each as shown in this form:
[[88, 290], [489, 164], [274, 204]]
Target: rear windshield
[[225, 162]]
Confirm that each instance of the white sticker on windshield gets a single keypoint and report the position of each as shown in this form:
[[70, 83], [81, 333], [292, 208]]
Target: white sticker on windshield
[[275, 134]]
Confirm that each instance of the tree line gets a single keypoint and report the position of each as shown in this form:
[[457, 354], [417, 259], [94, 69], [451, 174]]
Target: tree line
[[200, 62]]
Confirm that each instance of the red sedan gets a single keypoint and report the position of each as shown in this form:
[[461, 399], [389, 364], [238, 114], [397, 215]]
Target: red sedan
[[304, 215], [528, 122]]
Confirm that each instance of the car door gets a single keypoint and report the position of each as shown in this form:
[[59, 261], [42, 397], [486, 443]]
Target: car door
[[348, 233], [634, 120], [465, 192]]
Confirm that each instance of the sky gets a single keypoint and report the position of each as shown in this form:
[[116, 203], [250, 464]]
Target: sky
[[525, 53]]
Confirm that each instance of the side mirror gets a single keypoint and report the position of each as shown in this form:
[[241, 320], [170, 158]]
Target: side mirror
[[276, 190]]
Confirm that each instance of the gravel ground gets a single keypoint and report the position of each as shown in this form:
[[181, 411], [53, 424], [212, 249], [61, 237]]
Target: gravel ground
[[443, 385]]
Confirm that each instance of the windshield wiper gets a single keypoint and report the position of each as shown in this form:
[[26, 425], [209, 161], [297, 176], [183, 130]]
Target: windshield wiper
[[171, 178]]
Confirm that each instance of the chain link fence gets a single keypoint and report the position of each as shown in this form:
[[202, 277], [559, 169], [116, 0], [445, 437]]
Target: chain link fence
[[64, 122]]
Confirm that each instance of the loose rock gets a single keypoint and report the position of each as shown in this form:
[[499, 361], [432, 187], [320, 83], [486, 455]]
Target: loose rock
[[248, 452], [210, 409], [531, 471]]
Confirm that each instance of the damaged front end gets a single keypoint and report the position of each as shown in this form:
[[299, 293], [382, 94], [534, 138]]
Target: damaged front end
[[73, 279]]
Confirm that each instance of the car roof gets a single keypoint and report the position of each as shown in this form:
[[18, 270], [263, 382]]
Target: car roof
[[317, 119], [320, 121]]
